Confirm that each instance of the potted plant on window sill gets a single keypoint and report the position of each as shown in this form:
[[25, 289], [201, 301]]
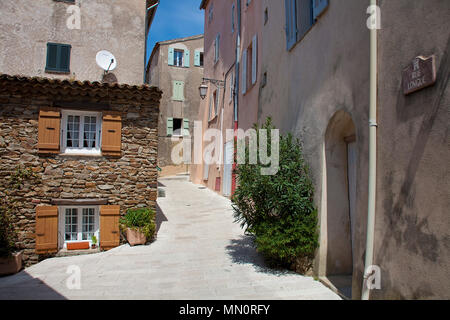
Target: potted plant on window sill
[[10, 257], [94, 242], [138, 225]]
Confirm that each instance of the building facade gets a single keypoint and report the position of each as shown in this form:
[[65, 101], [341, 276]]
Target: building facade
[[93, 151], [232, 62], [176, 67], [91, 142], [316, 58], [60, 39]]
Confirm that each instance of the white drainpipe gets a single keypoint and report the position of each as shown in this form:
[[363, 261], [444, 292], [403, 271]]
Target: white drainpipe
[[372, 156]]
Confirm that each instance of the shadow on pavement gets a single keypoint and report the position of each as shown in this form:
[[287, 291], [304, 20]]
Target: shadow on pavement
[[243, 251], [22, 286], [160, 217]]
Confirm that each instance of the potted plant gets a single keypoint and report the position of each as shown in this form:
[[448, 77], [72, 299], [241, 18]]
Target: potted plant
[[138, 225], [10, 258], [94, 242]]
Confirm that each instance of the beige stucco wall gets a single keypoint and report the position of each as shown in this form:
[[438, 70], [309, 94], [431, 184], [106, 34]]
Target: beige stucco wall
[[412, 240], [163, 75], [117, 26], [327, 72]]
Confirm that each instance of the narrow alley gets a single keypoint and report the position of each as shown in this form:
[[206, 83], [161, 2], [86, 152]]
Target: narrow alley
[[200, 253]]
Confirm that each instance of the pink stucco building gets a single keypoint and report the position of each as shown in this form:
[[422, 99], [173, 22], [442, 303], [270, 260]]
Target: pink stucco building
[[232, 73]]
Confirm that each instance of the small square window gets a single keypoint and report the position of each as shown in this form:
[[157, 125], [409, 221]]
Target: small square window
[[58, 57], [80, 132], [177, 127]]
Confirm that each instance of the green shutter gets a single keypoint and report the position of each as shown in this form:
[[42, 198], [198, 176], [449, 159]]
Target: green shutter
[[244, 72], [169, 126], [178, 90], [171, 56], [186, 127], [52, 57], [197, 58], [187, 59], [58, 57], [64, 58]]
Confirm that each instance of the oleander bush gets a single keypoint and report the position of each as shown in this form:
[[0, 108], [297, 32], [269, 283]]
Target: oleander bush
[[278, 210]]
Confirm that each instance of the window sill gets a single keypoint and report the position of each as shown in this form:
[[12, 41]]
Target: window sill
[[81, 154], [57, 72]]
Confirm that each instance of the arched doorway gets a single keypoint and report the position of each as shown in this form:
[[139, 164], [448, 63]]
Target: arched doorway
[[340, 163]]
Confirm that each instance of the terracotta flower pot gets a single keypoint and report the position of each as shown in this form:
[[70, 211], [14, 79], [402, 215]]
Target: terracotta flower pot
[[134, 237], [11, 265]]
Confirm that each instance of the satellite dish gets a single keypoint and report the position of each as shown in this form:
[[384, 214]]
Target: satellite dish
[[106, 60]]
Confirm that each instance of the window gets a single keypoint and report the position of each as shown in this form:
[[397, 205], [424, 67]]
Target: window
[[214, 104], [177, 126], [78, 223], [300, 17], [210, 14], [266, 16], [80, 132], [217, 48], [198, 58], [250, 65], [178, 91], [178, 56], [232, 18], [58, 58]]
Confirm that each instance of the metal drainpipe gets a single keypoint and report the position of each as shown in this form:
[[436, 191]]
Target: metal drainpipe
[[372, 157], [236, 90]]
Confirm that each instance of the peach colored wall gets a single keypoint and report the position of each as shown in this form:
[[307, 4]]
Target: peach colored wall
[[224, 70]]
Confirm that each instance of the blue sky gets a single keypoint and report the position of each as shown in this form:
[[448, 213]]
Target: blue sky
[[175, 19]]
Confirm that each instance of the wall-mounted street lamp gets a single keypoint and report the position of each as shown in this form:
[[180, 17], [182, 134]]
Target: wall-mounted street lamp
[[203, 89]]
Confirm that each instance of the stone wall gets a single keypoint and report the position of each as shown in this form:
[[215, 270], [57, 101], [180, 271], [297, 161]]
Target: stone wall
[[128, 181]]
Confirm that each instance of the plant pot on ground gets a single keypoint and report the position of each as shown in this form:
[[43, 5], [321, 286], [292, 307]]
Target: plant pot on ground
[[11, 264], [10, 258], [138, 225]]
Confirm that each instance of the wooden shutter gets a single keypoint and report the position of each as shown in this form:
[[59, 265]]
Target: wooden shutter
[[254, 58], [46, 229], [186, 127], [109, 227], [49, 130], [58, 57], [111, 134], [291, 23], [197, 58], [178, 90], [170, 127], [244, 72], [319, 7], [187, 59], [52, 57], [304, 17], [171, 56]]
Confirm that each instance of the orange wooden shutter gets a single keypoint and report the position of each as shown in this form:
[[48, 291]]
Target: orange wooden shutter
[[46, 229], [109, 227], [111, 134], [49, 130]]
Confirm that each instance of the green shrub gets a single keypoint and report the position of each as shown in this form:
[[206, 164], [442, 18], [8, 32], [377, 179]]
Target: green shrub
[[279, 209], [10, 204], [8, 235], [141, 219]]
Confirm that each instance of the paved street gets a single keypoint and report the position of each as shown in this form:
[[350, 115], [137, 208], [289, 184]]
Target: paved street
[[200, 253]]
